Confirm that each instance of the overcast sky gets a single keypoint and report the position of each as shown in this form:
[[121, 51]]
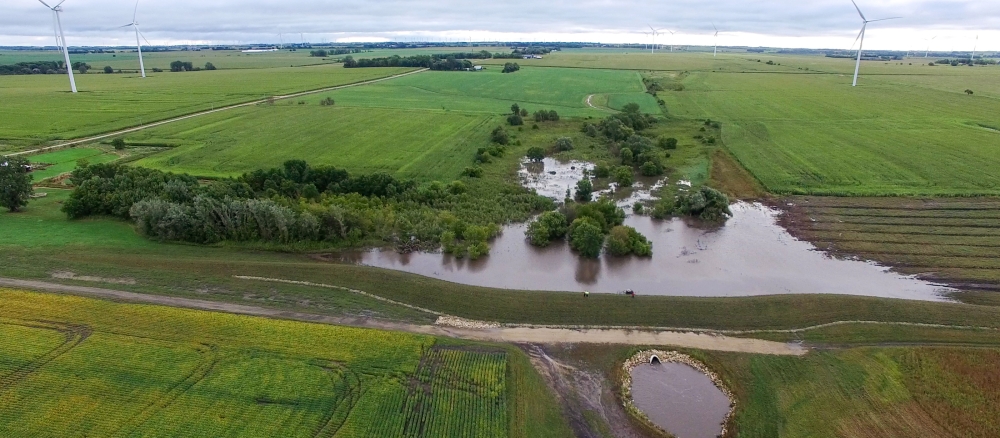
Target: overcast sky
[[778, 23]]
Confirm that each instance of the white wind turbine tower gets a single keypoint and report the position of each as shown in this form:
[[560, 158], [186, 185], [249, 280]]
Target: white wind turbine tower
[[61, 41], [976, 46], [135, 26], [656, 32], [716, 51], [928, 52], [671, 40], [861, 36]]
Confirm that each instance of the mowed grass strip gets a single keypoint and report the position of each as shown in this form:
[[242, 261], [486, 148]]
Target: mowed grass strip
[[426, 145], [38, 108], [141, 370]]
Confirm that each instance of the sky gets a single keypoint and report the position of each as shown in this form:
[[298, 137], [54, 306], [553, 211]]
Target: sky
[[940, 25]]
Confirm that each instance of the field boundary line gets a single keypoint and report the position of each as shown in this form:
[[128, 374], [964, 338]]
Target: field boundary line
[[92, 139]]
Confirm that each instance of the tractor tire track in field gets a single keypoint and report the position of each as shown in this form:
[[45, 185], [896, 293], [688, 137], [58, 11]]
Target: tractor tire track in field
[[336, 418], [74, 336], [92, 139], [204, 367]]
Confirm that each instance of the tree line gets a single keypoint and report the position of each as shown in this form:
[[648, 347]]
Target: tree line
[[422, 61]]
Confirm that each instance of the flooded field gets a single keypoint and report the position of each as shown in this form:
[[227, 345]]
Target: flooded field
[[679, 399], [749, 255]]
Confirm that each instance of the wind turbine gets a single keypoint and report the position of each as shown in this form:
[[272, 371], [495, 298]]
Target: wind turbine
[[61, 40], [135, 27], [656, 32], [976, 46], [716, 51], [861, 36], [671, 40], [928, 52]]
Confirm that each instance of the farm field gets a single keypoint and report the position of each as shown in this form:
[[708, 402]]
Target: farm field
[[425, 145], [866, 392], [956, 241], [38, 108], [426, 126], [814, 134], [140, 370]]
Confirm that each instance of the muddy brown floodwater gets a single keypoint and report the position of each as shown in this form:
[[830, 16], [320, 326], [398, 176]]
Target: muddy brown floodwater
[[749, 255], [679, 399]]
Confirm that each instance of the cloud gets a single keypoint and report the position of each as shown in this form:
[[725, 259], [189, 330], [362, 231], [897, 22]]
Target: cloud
[[228, 21]]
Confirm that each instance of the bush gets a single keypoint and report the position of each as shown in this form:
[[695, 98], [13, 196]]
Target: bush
[[626, 155], [586, 237], [326, 102], [473, 172], [590, 130], [667, 143], [548, 227], [650, 168], [318, 53], [706, 203], [546, 116], [564, 144], [969, 92], [108, 69], [584, 190], [155, 70], [536, 154], [179, 66], [623, 176], [511, 67], [15, 183], [500, 136], [209, 66], [457, 188], [624, 240], [602, 170], [118, 143], [515, 120]]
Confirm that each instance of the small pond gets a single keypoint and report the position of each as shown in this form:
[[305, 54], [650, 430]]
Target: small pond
[[680, 399], [749, 255]]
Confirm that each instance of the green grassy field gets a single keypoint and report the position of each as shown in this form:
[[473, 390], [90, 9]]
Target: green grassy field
[[65, 161], [426, 126], [97, 368], [865, 392], [38, 108], [417, 144]]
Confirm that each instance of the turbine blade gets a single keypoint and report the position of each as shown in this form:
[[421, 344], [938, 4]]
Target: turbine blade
[[46, 4], [717, 29], [884, 19], [127, 25], [143, 37], [135, 11], [856, 39], [57, 4], [859, 11]]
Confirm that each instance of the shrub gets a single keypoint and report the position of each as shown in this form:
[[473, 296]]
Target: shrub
[[118, 143], [178, 66], [548, 227], [969, 92], [536, 154], [584, 190], [650, 168], [515, 120], [586, 237], [602, 170], [706, 203], [623, 176], [473, 172], [108, 69], [667, 143], [626, 155], [155, 70], [591, 130], [564, 144], [638, 208], [500, 136], [624, 240], [511, 67], [209, 66], [326, 102]]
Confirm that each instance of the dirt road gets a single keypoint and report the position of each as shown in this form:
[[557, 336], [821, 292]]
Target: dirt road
[[81, 141], [550, 335]]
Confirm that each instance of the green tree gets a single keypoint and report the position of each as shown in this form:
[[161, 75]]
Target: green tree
[[515, 109], [564, 144], [15, 183], [627, 156], [108, 69], [536, 154], [584, 190], [118, 143], [500, 136], [209, 66], [586, 238], [515, 120], [667, 143], [623, 176]]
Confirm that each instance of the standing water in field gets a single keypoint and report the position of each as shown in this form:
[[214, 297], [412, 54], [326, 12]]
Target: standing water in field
[[680, 399], [749, 255]]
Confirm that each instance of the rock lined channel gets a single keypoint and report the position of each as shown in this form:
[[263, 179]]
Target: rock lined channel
[[749, 255]]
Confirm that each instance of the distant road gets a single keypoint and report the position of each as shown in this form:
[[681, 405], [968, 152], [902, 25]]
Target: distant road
[[517, 334], [78, 142]]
